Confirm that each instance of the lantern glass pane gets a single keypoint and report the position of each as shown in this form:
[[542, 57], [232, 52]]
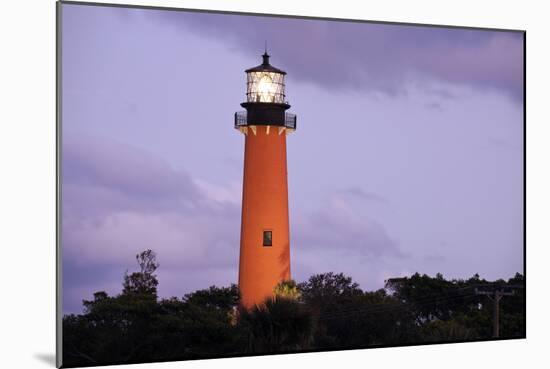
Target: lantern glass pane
[[268, 87]]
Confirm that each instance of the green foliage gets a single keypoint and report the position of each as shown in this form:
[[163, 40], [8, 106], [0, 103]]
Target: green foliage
[[215, 297], [327, 311], [145, 281], [278, 325], [328, 286], [442, 331], [436, 300], [288, 290]]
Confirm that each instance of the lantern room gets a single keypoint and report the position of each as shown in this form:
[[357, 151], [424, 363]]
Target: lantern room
[[266, 102], [265, 83]]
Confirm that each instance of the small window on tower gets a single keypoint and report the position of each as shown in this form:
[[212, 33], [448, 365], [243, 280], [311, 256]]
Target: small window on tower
[[268, 238]]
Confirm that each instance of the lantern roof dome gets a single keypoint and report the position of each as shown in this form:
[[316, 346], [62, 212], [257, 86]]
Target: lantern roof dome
[[265, 66]]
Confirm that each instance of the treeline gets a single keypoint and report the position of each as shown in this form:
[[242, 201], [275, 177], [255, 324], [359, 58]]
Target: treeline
[[328, 311]]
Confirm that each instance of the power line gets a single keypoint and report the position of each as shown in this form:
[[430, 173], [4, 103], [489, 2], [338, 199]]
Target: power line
[[376, 308], [427, 300], [495, 295]]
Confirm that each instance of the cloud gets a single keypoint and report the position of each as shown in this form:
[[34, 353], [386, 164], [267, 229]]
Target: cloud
[[118, 175], [337, 226], [359, 193], [338, 237], [367, 56], [119, 200]]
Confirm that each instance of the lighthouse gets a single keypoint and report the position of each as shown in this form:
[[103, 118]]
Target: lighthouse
[[265, 241]]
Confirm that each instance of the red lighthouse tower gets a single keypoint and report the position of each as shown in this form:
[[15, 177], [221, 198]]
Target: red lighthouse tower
[[265, 243]]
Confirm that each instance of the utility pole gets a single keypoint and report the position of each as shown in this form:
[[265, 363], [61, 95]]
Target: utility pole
[[495, 295]]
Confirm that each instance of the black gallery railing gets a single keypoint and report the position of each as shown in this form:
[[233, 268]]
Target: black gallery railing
[[241, 120]]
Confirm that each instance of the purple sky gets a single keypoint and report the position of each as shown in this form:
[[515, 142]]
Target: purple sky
[[408, 155]]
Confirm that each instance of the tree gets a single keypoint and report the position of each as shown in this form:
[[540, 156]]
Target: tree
[[279, 325], [222, 298], [334, 299], [328, 311], [325, 287], [446, 330], [287, 289], [145, 281], [201, 324], [434, 298]]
